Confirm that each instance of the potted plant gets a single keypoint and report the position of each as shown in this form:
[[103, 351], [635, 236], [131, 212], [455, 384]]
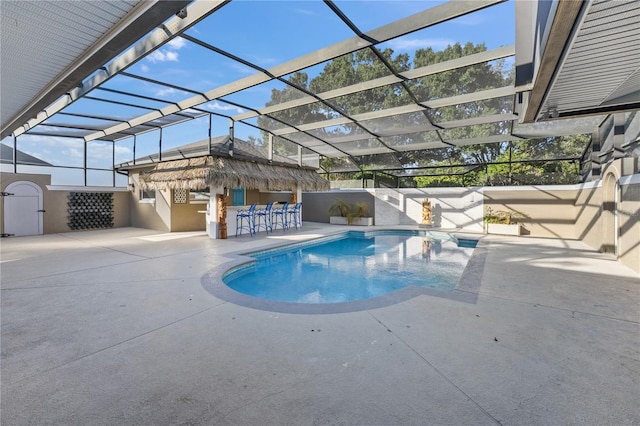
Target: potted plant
[[502, 222], [342, 213]]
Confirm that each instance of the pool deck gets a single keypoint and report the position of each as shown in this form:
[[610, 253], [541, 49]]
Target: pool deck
[[120, 327]]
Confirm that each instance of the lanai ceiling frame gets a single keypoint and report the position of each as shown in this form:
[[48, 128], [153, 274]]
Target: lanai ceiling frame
[[36, 71], [464, 61], [345, 118], [370, 139], [393, 78], [197, 11], [122, 124], [416, 171], [188, 90], [419, 107], [402, 80], [141, 128], [420, 20], [454, 100]]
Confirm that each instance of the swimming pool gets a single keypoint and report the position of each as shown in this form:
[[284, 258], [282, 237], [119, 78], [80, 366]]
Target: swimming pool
[[353, 266]]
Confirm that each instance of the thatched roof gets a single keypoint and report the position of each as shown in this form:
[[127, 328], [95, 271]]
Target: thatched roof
[[209, 171]]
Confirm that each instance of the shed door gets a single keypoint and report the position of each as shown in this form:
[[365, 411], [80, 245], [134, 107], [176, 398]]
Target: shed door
[[23, 209]]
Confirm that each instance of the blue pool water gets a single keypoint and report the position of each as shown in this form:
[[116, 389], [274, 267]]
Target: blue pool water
[[354, 266]]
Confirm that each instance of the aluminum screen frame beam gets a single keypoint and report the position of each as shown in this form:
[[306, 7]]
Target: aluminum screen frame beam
[[418, 21], [197, 11], [142, 19], [438, 103], [473, 59]]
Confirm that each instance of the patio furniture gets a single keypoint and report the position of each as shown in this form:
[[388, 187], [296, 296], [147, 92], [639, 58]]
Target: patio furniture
[[280, 214], [262, 219], [294, 216], [245, 220]]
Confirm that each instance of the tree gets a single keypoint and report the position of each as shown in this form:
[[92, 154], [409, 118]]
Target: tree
[[366, 65], [296, 116], [462, 81], [357, 67]]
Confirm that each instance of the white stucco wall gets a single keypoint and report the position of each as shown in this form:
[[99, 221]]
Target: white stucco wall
[[451, 207]]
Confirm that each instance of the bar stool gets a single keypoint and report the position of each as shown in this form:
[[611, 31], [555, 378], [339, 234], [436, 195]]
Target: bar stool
[[294, 216], [261, 214], [245, 220], [282, 214]]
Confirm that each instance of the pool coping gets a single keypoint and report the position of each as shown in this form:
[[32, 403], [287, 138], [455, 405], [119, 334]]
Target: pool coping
[[466, 290]]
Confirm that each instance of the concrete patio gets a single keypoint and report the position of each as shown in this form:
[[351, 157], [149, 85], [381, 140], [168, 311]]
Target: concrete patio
[[117, 327]]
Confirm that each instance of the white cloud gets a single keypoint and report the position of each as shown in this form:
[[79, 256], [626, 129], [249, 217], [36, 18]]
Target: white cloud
[[102, 149], [165, 91], [53, 149], [70, 151], [172, 56], [162, 55], [53, 141], [123, 150], [73, 153], [413, 44], [144, 68], [99, 154], [168, 53], [217, 106], [177, 43]]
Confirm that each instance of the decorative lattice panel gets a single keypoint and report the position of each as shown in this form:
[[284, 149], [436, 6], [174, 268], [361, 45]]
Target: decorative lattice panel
[[179, 196], [90, 210]]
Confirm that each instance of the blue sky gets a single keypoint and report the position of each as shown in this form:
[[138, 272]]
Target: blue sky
[[266, 33]]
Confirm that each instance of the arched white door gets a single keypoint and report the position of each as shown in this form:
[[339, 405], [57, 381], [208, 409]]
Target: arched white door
[[23, 212]]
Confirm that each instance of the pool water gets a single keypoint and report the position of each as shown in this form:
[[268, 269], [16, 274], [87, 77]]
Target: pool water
[[354, 266]]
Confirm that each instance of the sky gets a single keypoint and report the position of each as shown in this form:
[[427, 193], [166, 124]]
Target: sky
[[266, 33]]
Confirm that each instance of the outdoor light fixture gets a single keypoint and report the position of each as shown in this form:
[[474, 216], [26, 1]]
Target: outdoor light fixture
[[182, 13]]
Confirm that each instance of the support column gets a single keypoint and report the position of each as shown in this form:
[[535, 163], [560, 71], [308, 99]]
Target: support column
[[15, 153], [212, 214], [231, 137], [113, 161], [221, 202], [510, 164], [84, 164], [160, 146], [210, 127]]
